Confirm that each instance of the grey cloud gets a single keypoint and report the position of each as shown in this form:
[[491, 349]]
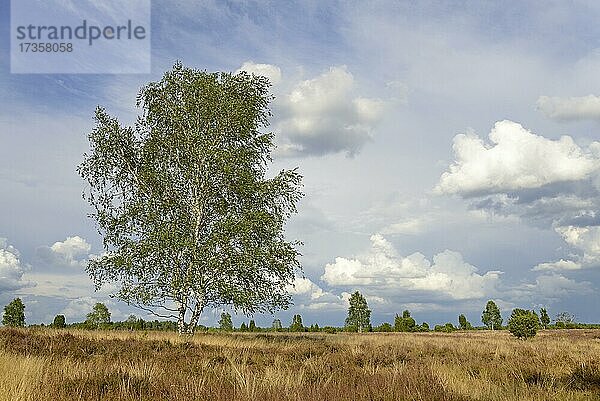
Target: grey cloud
[[72, 252], [552, 287], [323, 115], [569, 203], [571, 108], [583, 189]]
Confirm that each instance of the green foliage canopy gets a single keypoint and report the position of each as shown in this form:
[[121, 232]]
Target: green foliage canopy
[[225, 322], [14, 314], [276, 325], [59, 322], [544, 318], [297, 323], [99, 316], [405, 323], [523, 324], [463, 323], [359, 314], [491, 316], [565, 320]]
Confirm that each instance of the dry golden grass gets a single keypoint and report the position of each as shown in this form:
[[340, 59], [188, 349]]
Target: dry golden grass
[[19, 376], [82, 365]]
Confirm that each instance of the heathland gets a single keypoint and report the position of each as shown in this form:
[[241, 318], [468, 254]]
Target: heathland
[[49, 364]]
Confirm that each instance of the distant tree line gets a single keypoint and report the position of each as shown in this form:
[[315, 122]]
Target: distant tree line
[[522, 323]]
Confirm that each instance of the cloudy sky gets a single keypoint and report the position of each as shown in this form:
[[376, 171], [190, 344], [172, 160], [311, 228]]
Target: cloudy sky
[[451, 154]]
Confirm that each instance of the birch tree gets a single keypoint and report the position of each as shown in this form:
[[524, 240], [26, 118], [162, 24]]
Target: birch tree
[[359, 314], [14, 314], [190, 218], [99, 316], [491, 316]]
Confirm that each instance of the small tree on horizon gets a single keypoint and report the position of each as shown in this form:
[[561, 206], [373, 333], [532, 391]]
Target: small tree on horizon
[[564, 320], [14, 314], [225, 322], [297, 324], [252, 326], [446, 328], [59, 322], [405, 323], [544, 318], [131, 321], [276, 325], [463, 323], [384, 328], [359, 314], [99, 316], [491, 316]]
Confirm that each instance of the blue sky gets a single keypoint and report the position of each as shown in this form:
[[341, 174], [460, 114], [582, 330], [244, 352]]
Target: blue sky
[[450, 153]]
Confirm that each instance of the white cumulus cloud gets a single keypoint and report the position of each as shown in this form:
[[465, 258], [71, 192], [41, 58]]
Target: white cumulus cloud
[[267, 70], [308, 295], [322, 115], [304, 286], [514, 159], [11, 269], [383, 269], [548, 183], [584, 239], [72, 252], [561, 264], [570, 108]]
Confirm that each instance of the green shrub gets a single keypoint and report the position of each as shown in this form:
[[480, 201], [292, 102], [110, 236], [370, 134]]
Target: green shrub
[[384, 327], [447, 328], [405, 323], [523, 324], [59, 322]]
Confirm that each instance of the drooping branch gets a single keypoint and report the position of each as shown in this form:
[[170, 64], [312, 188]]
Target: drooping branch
[[152, 310]]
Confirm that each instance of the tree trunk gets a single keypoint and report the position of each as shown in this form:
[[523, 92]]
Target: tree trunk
[[181, 329], [195, 316]]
